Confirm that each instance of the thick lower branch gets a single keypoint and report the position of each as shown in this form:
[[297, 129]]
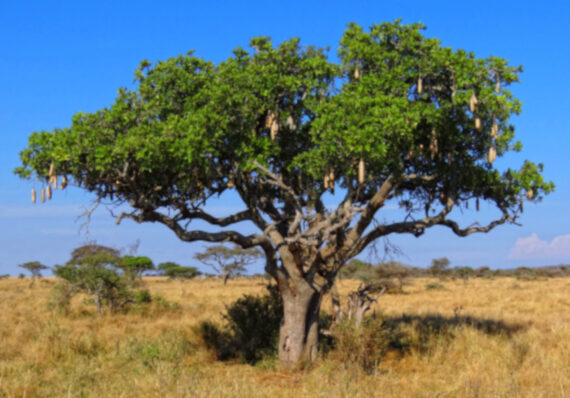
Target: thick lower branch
[[193, 236], [219, 221], [418, 227]]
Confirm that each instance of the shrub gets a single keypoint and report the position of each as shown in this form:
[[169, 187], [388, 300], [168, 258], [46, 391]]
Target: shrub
[[386, 272], [251, 328], [357, 269], [439, 267], [434, 286], [365, 345], [142, 296], [525, 273], [483, 272]]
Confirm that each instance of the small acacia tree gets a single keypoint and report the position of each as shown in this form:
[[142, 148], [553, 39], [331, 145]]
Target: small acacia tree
[[93, 269], [439, 266], [228, 262], [35, 268], [135, 266], [400, 119], [176, 271]]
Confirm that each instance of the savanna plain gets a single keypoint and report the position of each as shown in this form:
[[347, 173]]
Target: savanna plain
[[500, 337]]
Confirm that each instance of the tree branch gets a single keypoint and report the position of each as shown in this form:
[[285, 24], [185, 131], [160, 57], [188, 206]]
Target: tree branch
[[418, 227], [196, 235], [245, 215]]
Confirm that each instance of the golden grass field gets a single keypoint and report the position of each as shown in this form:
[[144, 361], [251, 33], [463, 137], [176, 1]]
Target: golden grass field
[[46, 354]]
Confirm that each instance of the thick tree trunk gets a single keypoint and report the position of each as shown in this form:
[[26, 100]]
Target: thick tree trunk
[[299, 332]]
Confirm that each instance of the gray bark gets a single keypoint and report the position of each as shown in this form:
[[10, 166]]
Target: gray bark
[[299, 332]]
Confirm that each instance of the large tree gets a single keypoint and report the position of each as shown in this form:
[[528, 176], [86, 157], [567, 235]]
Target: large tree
[[399, 119]]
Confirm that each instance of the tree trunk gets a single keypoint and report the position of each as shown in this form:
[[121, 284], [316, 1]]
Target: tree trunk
[[299, 332], [99, 299]]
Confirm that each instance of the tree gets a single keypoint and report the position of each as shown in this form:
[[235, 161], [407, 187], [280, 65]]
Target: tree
[[35, 268], [357, 269], [93, 269], [394, 270], [173, 270], [439, 266], [400, 119], [228, 262], [464, 272], [135, 266]]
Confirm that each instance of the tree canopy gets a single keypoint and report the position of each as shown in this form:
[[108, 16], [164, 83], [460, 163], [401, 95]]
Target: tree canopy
[[135, 266], [228, 261], [35, 268], [173, 270], [399, 119]]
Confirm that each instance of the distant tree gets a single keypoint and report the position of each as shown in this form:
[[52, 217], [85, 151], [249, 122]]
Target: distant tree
[[464, 273], [525, 273], [174, 270], [482, 272], [394, 270], [93, 269], [439, 266], [357, 269], [93, 248], [228, 262], [35, 268], [135, 266]]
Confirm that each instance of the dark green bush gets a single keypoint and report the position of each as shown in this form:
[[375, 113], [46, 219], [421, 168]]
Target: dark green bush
[[218, 340], [251, 328], [142, 296]]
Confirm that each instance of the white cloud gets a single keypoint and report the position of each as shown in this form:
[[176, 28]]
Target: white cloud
[[532, 247]]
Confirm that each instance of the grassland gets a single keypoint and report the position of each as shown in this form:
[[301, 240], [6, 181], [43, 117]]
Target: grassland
[[486, 338]]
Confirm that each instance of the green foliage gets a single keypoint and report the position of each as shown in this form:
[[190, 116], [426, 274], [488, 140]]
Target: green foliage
[[142, 296], [190, 127], [135, 266], [357, 269], [251, 329], [94, 270], [174, 271]]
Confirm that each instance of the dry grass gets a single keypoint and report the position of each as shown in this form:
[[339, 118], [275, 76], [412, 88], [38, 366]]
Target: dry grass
[[157, 354]]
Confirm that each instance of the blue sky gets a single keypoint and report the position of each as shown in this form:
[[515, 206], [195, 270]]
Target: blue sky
[[60, 58]]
